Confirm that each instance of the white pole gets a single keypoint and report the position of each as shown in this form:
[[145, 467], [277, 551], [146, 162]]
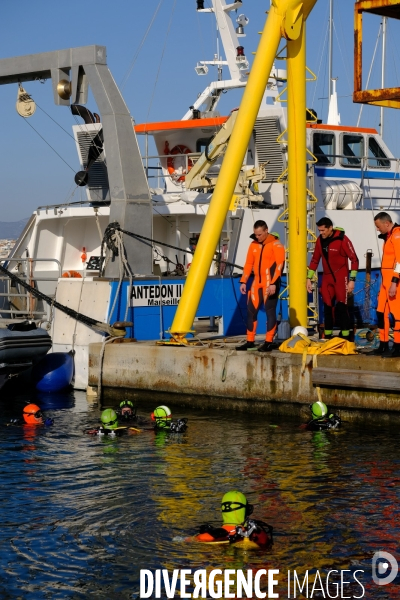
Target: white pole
[[330, 60], [384, 24]]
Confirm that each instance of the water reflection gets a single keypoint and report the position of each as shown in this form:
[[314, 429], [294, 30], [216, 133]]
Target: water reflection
[[82, 514]]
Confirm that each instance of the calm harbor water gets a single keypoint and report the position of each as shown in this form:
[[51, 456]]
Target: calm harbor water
[[80, 515]]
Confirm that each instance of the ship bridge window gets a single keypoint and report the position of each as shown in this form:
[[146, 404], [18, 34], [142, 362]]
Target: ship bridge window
[[353, 150], [324, 148], [377, 159]]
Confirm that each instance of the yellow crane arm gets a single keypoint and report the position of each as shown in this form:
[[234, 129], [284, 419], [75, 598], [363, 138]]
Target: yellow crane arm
[[196, 176]]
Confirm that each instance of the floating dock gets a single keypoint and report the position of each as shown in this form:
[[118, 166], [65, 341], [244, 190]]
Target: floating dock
[[361, 387]]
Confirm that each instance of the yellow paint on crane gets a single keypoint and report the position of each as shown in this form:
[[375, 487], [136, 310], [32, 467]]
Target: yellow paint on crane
[[297, 188]]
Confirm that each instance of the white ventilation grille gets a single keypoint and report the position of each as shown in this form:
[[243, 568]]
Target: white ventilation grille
[[266, 132], [97, 187]]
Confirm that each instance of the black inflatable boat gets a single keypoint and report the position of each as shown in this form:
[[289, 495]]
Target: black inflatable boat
[[21, 345]]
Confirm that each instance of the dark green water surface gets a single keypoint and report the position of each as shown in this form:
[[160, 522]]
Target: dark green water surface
[[80, 515]]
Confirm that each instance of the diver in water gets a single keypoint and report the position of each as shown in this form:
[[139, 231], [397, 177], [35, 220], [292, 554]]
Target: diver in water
[[127, 411], [109, 425], [32, 415], [321, 418], [163, 421], [236, 525]]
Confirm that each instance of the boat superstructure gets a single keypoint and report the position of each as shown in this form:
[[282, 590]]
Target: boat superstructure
[[351, 174]]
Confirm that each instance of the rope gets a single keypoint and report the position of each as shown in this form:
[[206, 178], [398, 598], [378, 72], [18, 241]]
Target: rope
[[161, 59], [96, 214], [101, 359], [129, 71], [88, 321], [50, 146], [54, 121], [394, 180], [317, 387], [370, 72], [224, 368], [123, 268], [76, 322], [321, 53], [109, 242]]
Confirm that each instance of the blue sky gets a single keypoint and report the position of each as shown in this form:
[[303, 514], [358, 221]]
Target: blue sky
[[162, 83]]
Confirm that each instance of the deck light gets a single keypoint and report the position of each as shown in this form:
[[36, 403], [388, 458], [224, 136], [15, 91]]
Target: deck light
[[242, 21], [200, 4], [201, 69], [241, 59]]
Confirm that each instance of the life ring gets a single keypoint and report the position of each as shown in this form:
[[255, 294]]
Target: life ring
[[74, 274], [176, 165]]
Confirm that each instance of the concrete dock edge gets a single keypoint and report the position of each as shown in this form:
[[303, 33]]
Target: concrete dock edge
[[255, 378]]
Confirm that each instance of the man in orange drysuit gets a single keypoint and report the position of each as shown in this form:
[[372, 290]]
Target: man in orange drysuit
[[265, 258], [389, 295]]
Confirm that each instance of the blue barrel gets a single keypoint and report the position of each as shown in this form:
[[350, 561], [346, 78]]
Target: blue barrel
[[54, 372]]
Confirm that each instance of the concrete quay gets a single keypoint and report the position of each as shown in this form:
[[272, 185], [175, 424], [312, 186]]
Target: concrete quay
[[361, 387]]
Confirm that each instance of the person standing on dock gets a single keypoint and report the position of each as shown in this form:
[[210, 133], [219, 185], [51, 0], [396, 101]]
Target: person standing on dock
[[335, 249], [265, 258], [389, 296]]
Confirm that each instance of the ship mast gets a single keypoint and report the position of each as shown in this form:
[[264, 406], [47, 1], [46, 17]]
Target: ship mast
[[384, 25], [333, 108], [330, 60], [235, 58]]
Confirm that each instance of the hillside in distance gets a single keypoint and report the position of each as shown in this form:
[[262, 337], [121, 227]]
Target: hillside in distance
[[11, 230]]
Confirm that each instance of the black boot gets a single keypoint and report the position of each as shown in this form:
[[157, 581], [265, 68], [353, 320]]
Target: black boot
[[266, 347], [382, 349], [395, 353], [246, 346]]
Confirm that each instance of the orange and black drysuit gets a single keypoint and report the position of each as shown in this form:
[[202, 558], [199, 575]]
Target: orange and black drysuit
[[335, 251], [390, 270], [258, 532], [266, 260]]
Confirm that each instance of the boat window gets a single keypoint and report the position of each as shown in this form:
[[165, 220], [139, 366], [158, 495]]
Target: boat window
[[353, 150], [324, 148], [377, 159]]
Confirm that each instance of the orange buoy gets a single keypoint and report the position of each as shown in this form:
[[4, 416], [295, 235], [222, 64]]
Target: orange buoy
[[72, 274]]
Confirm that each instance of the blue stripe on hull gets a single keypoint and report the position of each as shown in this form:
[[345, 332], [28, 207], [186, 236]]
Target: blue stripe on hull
[[222, 297]]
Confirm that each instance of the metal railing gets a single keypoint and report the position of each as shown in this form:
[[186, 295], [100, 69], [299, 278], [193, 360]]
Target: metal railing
[[191, 156], [28, 301]]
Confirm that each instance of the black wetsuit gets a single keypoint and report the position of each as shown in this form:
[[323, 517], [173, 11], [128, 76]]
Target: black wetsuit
[[328, 422]]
